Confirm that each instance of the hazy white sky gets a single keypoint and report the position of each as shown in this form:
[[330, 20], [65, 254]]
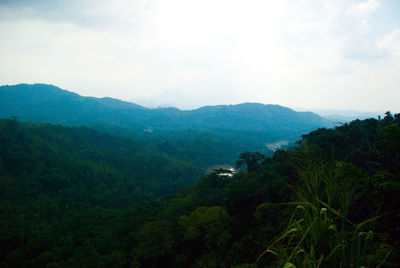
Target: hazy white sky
[[339, 54]]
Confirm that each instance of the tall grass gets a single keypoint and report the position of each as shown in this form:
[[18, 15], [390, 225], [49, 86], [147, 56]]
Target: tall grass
[[319, 232]]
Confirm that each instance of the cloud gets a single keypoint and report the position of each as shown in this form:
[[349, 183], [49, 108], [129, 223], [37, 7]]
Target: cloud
[[295, 53], [99, 14], [364, 8], [391, 43]]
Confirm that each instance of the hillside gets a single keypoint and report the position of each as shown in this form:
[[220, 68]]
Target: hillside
[[330, 201], [47, 103], [211, 135], [83, 167]]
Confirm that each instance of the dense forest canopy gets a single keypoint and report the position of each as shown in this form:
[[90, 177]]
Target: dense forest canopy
[[37, 159], [69, 197]]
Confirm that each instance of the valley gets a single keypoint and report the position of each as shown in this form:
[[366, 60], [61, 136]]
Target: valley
[[87, 182]]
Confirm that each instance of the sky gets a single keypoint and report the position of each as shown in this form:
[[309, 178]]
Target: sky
[[321, 54]]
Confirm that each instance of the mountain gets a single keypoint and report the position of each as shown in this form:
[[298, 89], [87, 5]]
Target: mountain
[[47, 103], [208, 136], [342, 116], [170, 98]]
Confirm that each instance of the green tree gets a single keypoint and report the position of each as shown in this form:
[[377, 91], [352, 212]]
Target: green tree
[[206, 230], [155, 244]]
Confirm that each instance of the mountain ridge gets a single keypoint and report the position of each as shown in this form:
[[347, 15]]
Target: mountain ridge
[[48, 103]]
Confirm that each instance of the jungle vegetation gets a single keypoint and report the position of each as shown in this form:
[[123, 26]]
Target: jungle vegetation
[[76, 197]]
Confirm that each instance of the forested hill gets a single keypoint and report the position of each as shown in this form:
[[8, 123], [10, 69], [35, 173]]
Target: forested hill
[[331, 201], [81, 167], [47, 103]]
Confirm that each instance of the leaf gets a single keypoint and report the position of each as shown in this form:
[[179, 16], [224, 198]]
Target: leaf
[[289, 265], [367, 221], [272, 252], [332, 227]]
